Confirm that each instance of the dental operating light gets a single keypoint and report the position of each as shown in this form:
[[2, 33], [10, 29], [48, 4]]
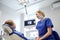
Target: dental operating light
[[24, 3]]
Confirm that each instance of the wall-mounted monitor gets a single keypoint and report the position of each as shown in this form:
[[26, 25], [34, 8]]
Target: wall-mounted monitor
[[29, 22]]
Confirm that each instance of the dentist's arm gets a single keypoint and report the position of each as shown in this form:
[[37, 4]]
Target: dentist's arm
[[49, 32]]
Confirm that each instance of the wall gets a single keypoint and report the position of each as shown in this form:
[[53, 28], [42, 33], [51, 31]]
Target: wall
[[8, 13], [0, 19], [0, 22]]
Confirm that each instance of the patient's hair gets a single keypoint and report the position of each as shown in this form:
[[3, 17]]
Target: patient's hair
[[9, 22]]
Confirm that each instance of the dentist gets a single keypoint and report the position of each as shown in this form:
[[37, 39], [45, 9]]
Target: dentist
[[44, 27]]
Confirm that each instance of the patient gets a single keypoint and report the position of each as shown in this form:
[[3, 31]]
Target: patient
[[12, 25]]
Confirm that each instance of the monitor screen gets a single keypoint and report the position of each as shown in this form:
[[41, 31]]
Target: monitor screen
[[29, 22]]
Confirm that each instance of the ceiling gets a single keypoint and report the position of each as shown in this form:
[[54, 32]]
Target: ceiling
[[14, 4]]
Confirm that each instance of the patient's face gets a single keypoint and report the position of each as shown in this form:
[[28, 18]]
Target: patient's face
[[14, 26]]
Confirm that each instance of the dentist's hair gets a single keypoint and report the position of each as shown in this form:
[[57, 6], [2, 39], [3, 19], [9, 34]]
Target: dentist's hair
[[40, 12]]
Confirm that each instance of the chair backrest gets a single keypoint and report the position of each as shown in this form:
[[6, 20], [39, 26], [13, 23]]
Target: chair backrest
[[7, 31], [15, 37], [56, 35]]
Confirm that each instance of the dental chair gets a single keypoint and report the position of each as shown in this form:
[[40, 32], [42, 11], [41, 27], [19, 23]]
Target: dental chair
[[7, 31], [56, 35]]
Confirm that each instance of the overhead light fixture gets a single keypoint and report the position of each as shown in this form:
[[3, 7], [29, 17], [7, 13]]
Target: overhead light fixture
[[24, 3]]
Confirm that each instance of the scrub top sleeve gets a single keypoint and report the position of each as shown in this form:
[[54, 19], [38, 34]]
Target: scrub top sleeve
[[49, 23]]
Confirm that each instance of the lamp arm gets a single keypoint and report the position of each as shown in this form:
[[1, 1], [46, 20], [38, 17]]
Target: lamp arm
[[25, 9]]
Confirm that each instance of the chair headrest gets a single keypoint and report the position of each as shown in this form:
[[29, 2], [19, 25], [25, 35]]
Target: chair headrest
[[6, 28]]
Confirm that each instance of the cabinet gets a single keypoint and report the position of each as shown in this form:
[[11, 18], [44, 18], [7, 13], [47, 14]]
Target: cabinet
[[31, 32]]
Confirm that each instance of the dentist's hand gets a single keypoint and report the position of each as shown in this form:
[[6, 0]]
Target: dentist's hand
[[38, 38]]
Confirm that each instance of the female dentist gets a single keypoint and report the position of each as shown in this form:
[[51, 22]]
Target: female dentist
[[44, 27]]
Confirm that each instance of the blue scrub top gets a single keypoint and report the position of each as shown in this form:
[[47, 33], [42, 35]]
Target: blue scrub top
[[42, 28], [20, 34]]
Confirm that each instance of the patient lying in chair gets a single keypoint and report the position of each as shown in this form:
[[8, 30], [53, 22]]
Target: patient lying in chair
[[12, 25]]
